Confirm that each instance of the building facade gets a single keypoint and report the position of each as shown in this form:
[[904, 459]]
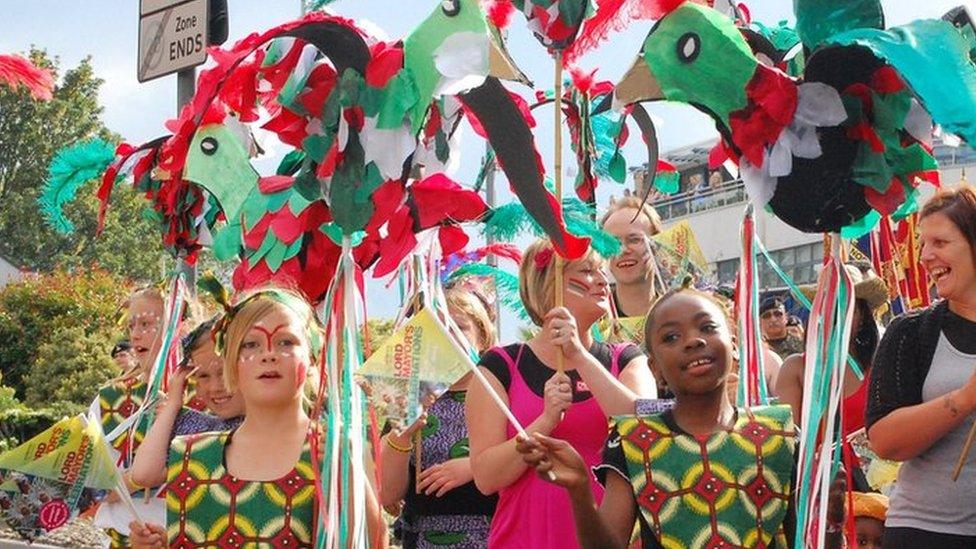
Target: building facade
[[713, 202]]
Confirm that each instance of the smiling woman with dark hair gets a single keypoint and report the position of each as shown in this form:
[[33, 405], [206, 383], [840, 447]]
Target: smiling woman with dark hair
[[923, 389]]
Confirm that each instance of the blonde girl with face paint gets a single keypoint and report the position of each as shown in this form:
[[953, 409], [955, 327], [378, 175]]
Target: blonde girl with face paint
[[121, 397], [254, 485]]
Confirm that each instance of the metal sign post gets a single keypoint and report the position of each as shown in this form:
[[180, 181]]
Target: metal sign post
[[173, 37]]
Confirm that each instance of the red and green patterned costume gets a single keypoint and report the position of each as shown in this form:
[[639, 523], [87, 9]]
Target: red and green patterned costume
[[116, 402], [730, 489], [207, 507]]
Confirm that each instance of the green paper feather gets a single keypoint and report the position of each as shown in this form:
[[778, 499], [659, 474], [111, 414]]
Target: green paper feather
[[609, 162], [71, 168], [667, 182], [505, 223], [209, 284], [506, 285]]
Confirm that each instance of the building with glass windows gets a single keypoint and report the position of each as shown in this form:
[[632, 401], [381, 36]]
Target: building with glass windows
[[713, 203]]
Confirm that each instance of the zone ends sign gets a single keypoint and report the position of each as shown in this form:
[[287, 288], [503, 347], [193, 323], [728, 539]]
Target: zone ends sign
[[172, 38]]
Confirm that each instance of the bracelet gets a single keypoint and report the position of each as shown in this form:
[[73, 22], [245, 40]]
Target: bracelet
[[128, 478], [401, 449]]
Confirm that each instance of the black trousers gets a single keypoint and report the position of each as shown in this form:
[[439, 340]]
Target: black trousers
[[913, 538]]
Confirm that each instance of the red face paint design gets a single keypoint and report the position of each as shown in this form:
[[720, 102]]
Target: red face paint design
[[578, 286], [269, 334], [301, 372]]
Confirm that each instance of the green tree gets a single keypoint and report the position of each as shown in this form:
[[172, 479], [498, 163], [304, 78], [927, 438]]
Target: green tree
[[41, 309], [378, 329], [31, 132], [68, 371]]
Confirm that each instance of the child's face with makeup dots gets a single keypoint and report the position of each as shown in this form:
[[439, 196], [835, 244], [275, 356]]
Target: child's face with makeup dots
[[145, 320], [274, 359]]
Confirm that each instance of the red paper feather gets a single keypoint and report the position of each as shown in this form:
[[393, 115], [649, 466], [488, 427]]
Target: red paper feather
[[609, 17], [499, 12], [16, 71]]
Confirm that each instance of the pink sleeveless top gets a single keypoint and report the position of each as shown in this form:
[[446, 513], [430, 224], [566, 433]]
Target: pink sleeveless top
[[532, 512]]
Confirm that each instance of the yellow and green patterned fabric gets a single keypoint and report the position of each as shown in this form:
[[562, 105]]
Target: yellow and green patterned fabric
[[207, 507], [628, 329], [116, 402], [730, 489]]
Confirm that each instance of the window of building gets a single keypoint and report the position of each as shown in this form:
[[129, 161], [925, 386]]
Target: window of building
[[801, 263]]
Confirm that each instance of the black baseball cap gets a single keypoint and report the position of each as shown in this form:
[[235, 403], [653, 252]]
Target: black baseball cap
[[770, 303], [121, 347]]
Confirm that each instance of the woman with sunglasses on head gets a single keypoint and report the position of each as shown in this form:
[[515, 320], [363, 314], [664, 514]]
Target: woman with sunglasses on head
[[922, 396], [598, 380]]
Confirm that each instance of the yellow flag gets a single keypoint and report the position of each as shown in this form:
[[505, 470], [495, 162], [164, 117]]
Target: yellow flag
[[71, 451], [417, 360], [677, 253]]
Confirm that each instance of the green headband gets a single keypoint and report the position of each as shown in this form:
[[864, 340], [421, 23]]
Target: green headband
[[209, 283]]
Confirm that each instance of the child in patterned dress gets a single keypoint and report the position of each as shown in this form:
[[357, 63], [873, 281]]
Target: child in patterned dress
[[254, 485], [703, 474], [444, 509], [122, 396], [174, 419]]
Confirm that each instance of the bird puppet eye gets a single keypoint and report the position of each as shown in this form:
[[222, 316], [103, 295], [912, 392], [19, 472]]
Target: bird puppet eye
[[451, 7], [208, 146], [689, 46]]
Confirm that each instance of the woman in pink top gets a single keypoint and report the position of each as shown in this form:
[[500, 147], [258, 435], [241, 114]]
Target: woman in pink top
[[598, 380]]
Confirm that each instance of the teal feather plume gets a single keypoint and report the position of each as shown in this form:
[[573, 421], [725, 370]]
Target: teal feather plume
[[71, 168], [505, 223], [506, 285]]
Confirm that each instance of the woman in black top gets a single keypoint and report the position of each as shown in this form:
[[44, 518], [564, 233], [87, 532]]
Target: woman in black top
[[923, 390], [442, 509]]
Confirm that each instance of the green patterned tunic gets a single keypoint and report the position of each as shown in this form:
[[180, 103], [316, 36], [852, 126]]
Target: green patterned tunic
[[207, 507], [116, 402], [729, 489]]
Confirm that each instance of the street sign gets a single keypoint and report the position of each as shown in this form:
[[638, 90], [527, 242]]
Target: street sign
[[171, 39], [151, 6]]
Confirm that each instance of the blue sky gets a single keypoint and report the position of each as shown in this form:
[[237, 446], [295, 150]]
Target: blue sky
[[107, 31]]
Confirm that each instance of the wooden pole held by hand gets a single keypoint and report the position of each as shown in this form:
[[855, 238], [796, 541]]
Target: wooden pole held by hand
[[558, 180]]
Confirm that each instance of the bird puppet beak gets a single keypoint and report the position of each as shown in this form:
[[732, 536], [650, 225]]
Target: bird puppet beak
[[639, 84], [500, 63]]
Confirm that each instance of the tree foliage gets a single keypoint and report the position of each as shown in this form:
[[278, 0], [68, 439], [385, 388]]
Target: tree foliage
[[57, 308], [69, 369], [31, 132]]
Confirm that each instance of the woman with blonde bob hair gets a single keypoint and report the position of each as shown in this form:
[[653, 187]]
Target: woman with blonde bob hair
[[599, 380], [254, 484]]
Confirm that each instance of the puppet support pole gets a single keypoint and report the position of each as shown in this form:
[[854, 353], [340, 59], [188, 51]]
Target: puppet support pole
[[557, 166], [965, 453]]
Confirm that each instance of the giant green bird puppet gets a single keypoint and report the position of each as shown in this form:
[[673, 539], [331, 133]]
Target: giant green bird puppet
[[357, 118], [844, 143]]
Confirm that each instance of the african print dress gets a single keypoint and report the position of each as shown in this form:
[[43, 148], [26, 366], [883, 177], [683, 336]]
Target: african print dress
[[459, 519], [117, 401], [208, 507], [729, 489]]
